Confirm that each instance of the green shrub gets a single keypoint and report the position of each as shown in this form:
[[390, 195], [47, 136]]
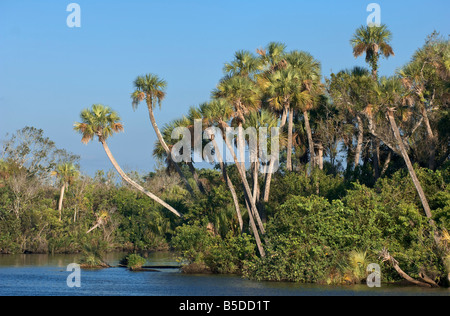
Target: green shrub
[[198, 246], [134, 261], [309, 238]]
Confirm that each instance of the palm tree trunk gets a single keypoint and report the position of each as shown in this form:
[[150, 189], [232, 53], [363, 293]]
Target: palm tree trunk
[[360, 140], [196, 177], [256, 182], [134, 184], [253, 212], [310, 139], [93, 227], [289, 144], [409, 165], [61, 198], [431, 139], [227, 179], [247, 189], [387, 257], [166, 148], [268, 180], [386, 163], [376, 157], [283, 118], [273, 160], [320, 152], [241, 146]]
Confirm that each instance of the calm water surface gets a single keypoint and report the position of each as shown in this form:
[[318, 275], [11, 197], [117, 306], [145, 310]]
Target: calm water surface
[[46, 275]]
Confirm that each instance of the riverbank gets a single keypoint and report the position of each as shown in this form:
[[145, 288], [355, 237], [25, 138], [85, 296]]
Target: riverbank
[[46, 275]]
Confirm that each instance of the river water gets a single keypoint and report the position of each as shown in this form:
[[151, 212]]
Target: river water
[[46, 275]]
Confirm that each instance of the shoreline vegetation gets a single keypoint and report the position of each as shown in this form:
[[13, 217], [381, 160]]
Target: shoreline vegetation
[[363, 175]]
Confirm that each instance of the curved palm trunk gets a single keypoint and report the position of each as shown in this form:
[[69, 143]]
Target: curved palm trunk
[[409, 165], [94, 227], [134, 184], [166, 148], [61, 198], [387, 257], [360, 140], [310, 139], [289, 144]]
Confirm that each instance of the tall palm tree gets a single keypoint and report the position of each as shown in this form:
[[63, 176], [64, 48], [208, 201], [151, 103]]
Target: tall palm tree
[[152, 89], [280, 88], [103, 122], [264, 119], [244, 95], [66, 173], [351, 91], [374, 42], [308, 73], [219, 112], [393, 96], [426, 76]]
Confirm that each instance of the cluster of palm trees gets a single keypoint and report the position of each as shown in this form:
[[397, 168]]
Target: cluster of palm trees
[[276, 88]]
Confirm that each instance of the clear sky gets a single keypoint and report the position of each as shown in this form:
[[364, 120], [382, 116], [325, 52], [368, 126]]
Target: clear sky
[[50, 72]]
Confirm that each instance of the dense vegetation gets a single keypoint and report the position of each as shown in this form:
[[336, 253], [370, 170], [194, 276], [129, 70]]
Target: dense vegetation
[[363, 177]]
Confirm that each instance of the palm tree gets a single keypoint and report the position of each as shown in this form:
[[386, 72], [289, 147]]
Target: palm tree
[[218, 113], [273, 56], [244, 95], [393, 96], [351, 90], [160, 153], [280, 88], [244, 64], [426, 76], [265, 119], [308, 73], [152, 89], [66, 173], [374, 42], [103, 122]]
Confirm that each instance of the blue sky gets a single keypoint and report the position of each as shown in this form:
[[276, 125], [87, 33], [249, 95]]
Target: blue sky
[[50, 72]]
